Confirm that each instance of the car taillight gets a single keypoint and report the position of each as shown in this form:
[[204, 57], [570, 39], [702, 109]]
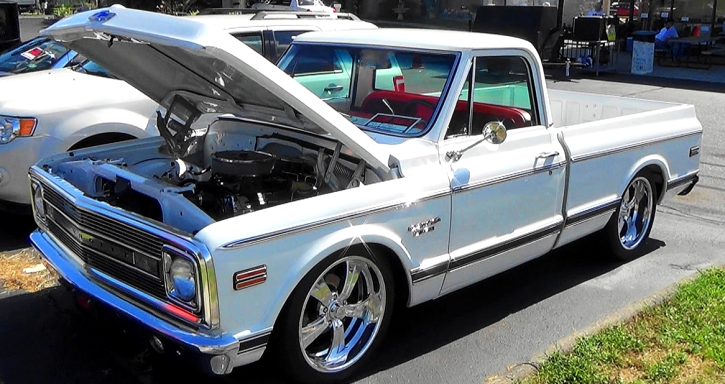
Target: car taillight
[[399, 83], [334, 10]]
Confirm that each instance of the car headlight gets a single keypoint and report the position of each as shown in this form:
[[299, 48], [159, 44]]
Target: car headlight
[[36, 196], [182, 282], [12, 127]]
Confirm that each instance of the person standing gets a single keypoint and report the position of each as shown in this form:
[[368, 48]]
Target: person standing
[[597, 11], [664, 40]]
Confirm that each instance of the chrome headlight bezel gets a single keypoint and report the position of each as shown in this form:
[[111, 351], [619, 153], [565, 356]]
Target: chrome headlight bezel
[[12, 128], [179, 295], [37, 199]]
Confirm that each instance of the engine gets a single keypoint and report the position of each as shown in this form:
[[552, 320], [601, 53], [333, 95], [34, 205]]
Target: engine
[[242, 181]]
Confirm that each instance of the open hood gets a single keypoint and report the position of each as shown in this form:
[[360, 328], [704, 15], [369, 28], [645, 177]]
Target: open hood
[[163, 55]]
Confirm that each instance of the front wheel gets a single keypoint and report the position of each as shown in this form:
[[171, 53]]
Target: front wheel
[[336, 316], [631, 224]]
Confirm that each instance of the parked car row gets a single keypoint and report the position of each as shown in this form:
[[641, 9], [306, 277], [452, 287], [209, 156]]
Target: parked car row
[[290, 209]]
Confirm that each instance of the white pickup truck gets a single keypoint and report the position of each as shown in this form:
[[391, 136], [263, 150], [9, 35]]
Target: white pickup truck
[[266, 220]]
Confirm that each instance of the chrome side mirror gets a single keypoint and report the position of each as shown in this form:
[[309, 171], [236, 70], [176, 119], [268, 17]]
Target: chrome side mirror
[[494, 132]]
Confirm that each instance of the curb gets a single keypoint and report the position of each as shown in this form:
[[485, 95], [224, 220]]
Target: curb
[[522, 370]]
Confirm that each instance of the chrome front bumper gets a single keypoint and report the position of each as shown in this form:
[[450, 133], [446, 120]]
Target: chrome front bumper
[[216, 354]]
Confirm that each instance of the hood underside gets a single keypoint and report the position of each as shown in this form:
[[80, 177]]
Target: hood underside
[[164, 55]]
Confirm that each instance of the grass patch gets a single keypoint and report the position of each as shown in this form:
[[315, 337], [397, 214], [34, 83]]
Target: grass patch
[[680, 341], [12, 276]]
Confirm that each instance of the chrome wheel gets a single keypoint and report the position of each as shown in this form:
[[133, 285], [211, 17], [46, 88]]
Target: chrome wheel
[[635, 213], [342, 314]]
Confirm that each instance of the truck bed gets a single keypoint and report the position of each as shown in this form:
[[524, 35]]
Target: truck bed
[[611, 137]]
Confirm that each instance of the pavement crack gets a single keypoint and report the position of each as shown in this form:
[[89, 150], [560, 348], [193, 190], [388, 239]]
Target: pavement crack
[[677, 212], [642, 92]]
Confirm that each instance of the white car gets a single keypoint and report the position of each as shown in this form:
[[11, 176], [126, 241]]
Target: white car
[[266, 220], [53, 111], [295, 5], [69, 109]]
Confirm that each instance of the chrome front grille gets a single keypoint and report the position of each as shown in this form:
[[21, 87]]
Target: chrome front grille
[[126, 253]]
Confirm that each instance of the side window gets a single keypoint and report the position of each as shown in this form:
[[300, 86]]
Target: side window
[[502, 91], [253, 40], [503, 81], [285, 3], [315, 62], [284, 39]]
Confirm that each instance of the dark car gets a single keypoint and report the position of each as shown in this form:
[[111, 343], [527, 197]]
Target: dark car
[[9, 25]]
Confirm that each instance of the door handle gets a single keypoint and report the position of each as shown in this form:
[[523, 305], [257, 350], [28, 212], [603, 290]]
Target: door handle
[[546, 155], [333, 88]]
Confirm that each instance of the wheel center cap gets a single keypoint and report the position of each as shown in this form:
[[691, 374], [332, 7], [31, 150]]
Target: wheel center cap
[[336, 311]]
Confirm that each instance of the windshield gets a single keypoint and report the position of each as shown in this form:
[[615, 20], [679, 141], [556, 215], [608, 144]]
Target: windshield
[[37, 54], [386, 90], [92, 68]]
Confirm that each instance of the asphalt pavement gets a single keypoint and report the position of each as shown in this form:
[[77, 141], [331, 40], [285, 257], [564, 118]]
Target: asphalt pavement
[[461, 338]]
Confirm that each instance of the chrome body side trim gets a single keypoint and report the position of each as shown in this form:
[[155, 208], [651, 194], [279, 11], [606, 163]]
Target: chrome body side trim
[[210, 301], [421, 274], [623, 148], [342, 217], [254, 342], [505, 246], [508, 177], [70, 271], [691, 178], [592, 212]]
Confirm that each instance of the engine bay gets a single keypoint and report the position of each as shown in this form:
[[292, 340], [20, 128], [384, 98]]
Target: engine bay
[[243, 181], [231, 167]]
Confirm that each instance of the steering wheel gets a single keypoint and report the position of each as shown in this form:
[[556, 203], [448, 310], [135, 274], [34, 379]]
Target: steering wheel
[[412, 107]]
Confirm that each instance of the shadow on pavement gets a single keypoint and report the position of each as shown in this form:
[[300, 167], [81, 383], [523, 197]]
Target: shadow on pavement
[[46, 339], [14, 230]]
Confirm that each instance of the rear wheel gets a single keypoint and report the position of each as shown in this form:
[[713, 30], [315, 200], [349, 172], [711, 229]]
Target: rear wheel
[[335, 317], [632, 222]]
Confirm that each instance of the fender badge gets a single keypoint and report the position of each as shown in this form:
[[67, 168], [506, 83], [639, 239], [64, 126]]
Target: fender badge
[[102, 16]]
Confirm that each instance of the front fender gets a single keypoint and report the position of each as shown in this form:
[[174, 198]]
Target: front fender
[[288, 260], [86, 124]]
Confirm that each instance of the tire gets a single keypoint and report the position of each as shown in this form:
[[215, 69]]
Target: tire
[[323, 308], [629, 228]]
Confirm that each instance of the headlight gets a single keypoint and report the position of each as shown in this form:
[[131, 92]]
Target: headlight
[[12, 127], [181, 277], [36, 195]]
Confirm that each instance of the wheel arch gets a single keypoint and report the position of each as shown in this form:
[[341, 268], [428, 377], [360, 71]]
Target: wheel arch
[[102, 138], [374, 238], [657, 166]]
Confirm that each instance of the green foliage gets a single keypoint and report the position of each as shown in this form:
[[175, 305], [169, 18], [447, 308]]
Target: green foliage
[[63, 10], [686, 330]]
